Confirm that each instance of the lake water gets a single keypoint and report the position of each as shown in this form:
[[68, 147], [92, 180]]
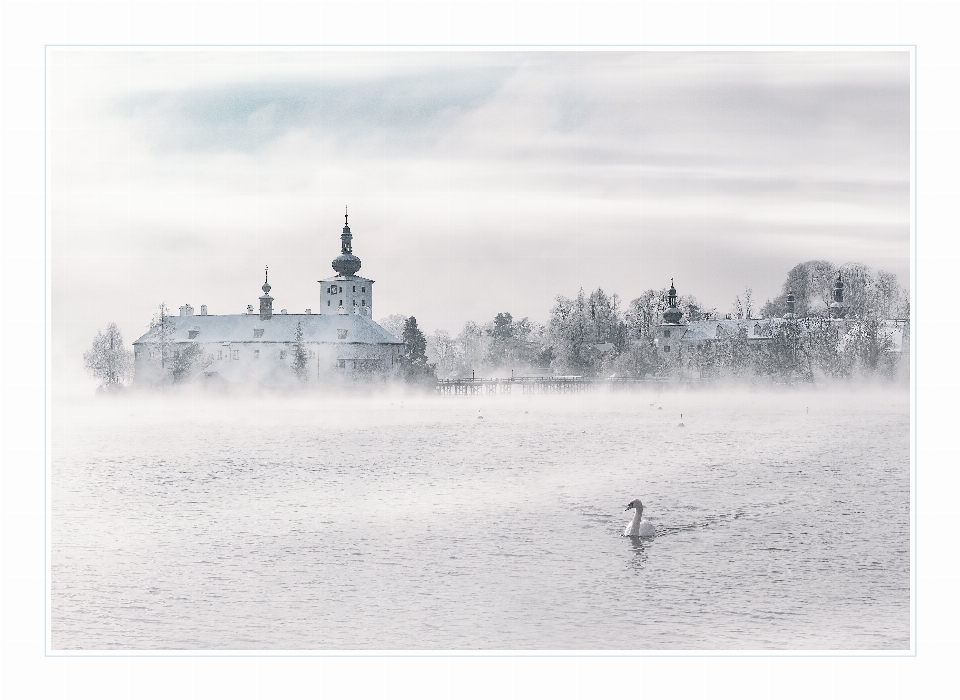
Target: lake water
[[391, 522]]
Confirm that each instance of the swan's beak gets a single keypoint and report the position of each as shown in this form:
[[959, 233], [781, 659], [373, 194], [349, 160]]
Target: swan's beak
[[628, 507]]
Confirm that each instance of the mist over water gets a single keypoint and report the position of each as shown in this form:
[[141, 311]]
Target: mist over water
[[402, 522]]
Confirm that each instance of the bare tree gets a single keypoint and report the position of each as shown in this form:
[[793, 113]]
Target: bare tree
[[394, 324], [163, 332], [107, 359]]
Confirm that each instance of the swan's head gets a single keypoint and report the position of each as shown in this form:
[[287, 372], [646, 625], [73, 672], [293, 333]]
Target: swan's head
[[635, 503]]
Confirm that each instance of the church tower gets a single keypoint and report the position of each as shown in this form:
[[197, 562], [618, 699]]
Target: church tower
[[347, 292]]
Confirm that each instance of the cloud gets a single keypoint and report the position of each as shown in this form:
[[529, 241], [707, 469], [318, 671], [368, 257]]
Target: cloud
[[410, 110]]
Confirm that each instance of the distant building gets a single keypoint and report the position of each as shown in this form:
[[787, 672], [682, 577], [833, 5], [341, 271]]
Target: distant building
[[679, 338], [262, 347]]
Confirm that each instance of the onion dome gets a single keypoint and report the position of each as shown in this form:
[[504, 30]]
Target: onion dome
[[672, 314], [266, 301], [346, 263]]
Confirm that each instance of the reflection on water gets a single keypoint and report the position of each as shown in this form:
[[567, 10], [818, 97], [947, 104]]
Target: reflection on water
[[375, 524], [639, 555]]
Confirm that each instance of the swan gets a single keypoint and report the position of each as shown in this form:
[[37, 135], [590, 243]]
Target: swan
[[638, 527]]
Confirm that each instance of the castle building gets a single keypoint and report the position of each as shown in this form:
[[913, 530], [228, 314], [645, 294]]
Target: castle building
[[273, 349], [678, 338]]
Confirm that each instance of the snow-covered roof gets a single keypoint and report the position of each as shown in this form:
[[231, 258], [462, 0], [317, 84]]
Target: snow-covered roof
[[281, 328]]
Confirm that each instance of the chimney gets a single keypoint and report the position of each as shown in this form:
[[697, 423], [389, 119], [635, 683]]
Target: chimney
[[189, 309], [308, 311], [283, 311], [249, 308], [183, 310], [203, 309]]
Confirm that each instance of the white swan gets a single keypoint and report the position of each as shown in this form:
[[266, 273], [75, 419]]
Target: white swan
[[638, 527]]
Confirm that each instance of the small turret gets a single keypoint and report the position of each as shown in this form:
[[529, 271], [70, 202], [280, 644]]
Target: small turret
[[838, 308], [791, 306], [266, 301], [672, 315]]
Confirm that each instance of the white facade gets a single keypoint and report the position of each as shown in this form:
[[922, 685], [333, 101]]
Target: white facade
[[263, 347], [352, 294]]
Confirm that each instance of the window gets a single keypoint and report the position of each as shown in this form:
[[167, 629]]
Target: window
[[756, 329], [256, 354], [363, 302], [341, 302], [666, 333], [219, 354], [153, 355], [363, 289], [236, 354], [354, 288], [342, 364], [328, 302], [283, 354], [354, 302], [136, 354], [666, 348], [257, 332], [341, 334], [341, 289], [719, 331], [192, 334]]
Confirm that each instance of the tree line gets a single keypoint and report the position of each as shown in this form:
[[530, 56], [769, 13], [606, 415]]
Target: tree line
[[596, 334]]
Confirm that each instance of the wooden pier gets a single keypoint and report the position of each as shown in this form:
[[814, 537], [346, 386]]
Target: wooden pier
[[548, 385]]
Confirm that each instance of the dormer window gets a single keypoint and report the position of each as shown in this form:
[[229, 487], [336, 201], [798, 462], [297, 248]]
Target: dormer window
[[756, 329], [719, 332], [192, 333], [341, 334], [666, 333], [258, 332]]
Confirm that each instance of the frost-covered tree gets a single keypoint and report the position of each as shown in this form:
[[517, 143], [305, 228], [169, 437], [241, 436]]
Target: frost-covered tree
[[299, 364], [163, 332], [186, 359], [107, 359], [394, 324]]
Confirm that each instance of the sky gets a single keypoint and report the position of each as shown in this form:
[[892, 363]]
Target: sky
[[477, 181]]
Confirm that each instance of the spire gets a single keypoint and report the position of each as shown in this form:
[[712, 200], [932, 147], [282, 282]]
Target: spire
[[672, 314], [346, 263], [266, 301]]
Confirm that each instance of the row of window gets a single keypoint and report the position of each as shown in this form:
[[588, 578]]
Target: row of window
[[363, 302], [335, 289]]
